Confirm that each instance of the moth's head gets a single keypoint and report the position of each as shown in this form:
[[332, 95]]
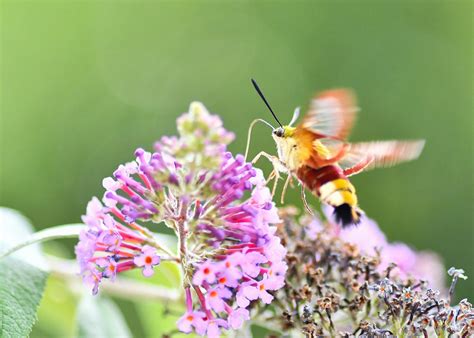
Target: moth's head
[[283, 132], [289, 130]]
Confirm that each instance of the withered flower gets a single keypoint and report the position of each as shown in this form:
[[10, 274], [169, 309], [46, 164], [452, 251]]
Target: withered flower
[[334, 288]]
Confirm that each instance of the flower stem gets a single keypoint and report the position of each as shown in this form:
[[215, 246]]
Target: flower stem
[[163, 248], [123, 287], [182, 248]]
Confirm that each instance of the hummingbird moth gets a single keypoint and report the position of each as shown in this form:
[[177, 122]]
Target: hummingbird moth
[[316, 152]]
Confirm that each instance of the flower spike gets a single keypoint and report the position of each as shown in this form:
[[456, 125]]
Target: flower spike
[[220, 210]]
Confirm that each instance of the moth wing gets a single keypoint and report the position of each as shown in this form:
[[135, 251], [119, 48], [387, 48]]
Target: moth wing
[[328, 148], [325, 151], [370, 155], [332, 113]]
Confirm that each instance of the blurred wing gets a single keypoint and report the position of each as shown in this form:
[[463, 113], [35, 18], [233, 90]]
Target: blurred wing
[[326, 151], [328, 148], [332, 113], [369, 155]]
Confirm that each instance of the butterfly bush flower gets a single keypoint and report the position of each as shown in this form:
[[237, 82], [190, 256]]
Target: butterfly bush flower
[[220, 210], [111, 245], [335, 287]]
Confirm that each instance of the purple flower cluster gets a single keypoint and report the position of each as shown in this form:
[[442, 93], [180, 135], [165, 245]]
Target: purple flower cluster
[[111, 245], [219, 208], [252, 264]]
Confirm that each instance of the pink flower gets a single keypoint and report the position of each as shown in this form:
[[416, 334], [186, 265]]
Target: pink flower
[[262, 287], [108, 266], [252, 291], [250, 263], [107, 246], [192, 319], [247, 292], [206, 272], [148, 259], [276, 275], [110, 184], [92, 276], [430, 267], [94, 213], [110, 236], [366, 235], [237, 317], [400, 254], [229, 272], [265, 213], [215, 298], [275, 251], [213, 327], [86, 248]]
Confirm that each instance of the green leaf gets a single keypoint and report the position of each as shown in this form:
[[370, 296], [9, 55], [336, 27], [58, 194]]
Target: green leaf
[[261, 329], [168, 241], [60, 231], [168, 313], [99, 317], [21, 288], [21, 284], [14, 228]]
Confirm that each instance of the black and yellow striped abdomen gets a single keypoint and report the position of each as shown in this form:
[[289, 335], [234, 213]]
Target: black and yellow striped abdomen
[[333, 188]]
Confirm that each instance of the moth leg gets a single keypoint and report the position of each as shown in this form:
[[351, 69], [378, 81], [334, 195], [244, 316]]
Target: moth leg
[[269, 157], [289, 180], [275, 182], [305, 202], [274, 175], [278, 167], [270, 177]]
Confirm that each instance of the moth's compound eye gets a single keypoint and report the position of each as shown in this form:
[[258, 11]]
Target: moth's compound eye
[[278, 132]]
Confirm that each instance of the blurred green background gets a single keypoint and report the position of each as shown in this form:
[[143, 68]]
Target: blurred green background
[[84, 83]]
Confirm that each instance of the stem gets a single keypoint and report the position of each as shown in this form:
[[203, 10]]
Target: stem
[[122, 288], [331, 325], [57, 232], [189, 299], [452, 288], [182, 242], [202, 301], [163, 248], [170, 259], [182, 248]]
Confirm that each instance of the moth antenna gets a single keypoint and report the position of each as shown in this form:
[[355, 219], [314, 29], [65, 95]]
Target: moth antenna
[[296, 114], [265, 100], [249, 134]]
